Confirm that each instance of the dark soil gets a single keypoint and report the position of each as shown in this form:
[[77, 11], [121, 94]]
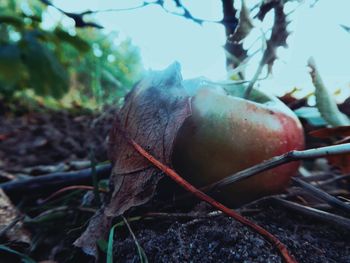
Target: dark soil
[[221, 239], [51, 138], [60, 138]]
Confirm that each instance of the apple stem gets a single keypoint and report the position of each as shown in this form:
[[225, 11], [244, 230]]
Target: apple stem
[[279, 160], [201, 195]]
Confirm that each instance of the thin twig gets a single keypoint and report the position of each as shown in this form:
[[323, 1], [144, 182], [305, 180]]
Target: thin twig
[[279, 160], [201, 195], [69, 188], [322, 195], [315, 213], [334, 179]]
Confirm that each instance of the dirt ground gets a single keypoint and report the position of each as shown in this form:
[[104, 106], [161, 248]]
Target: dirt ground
[[221, 239], [32, 144]]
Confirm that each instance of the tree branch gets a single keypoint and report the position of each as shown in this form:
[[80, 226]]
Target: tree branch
[[79, 17]]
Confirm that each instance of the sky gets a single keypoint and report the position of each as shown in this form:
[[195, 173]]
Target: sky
[[164, 38]]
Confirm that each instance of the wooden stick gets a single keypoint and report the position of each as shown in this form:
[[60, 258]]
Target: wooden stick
[[320, 194], [315, 213]]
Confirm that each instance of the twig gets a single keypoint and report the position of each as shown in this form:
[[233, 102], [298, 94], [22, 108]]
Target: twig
[[279, 160], [315, 213], [40, 184], [320, 194], [334, 179], [71, 187], [79, 17], [201, 195]]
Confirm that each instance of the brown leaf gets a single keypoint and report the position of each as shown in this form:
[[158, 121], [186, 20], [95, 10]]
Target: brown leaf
[[266, 7], [152, 114], [10, 221], [345, 107], [340, 161], [343, 131], [244, 26]]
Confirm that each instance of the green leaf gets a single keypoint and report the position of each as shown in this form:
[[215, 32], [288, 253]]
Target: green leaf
[[110, 244], [325, 101], [10, 63], [14, 20], [46, 73], [103, 245], [76, 41], [25, 258]]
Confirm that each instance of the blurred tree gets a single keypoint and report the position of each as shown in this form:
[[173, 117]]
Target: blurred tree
[[237, 19], [84, 63]]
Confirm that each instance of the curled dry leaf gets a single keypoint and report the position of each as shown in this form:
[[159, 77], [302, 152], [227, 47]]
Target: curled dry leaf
[[152, 114], [10, 224]]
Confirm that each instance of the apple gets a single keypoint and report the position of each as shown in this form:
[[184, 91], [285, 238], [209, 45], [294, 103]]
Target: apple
[[227, 133]]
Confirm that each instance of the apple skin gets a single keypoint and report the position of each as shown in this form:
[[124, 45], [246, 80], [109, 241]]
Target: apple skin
[[226, 134]]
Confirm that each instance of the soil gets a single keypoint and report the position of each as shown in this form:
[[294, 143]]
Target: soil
[[54, 137], [221, 239], [58, 139]]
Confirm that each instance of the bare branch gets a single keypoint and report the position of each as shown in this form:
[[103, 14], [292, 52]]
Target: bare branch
[[324, 196], [315, 213], [282, 159]]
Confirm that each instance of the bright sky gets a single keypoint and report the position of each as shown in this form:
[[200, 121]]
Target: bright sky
[[164, 38]]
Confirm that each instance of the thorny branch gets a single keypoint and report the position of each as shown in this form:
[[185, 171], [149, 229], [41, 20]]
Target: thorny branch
[[79, 17]]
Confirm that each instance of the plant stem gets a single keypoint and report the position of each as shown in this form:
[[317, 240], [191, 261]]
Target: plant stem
[[282, 159]]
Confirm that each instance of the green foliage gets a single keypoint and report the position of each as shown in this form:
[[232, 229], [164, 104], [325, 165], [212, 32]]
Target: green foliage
[[324, 100], [62, 66]]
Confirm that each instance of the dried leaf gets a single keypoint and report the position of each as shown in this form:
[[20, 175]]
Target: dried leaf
[[340, 161], [279, 32], [10, 225], [345, 107], [152, 114], [244, 26], [324, 100], [331, 132]]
